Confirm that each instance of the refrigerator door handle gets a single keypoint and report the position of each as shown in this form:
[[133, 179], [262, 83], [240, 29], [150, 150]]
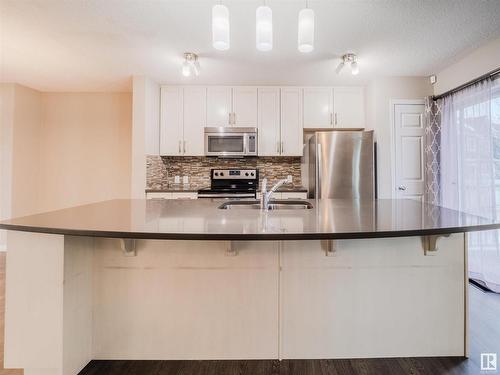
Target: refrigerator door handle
[[319, 167]]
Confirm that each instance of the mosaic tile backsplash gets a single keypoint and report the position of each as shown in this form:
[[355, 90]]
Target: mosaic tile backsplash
[[161, 170]]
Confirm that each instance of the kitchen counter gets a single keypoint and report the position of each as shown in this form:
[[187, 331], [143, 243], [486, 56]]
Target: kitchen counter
[[175, 189], [202, 220], [392, 284], [180, 189]]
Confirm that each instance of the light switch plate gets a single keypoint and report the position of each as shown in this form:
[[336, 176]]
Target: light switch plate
[[289, 178], [177, 179]]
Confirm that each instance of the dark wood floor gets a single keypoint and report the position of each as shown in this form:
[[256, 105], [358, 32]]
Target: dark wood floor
[[396, 366], [484, 337]]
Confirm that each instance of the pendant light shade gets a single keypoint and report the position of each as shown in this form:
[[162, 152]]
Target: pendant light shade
[[306, 30], [220, 27], [264, 28]]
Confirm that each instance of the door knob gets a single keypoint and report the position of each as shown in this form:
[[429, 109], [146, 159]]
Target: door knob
[[402, 188]]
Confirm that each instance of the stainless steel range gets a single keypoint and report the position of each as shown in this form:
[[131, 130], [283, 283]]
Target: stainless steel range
[[232, 183]]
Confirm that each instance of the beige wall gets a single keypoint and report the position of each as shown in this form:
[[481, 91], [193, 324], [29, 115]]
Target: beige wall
[[62, 149], [481, 61], [85, 152], [6, 129], [26, 151], [20, 130], [380, 92]]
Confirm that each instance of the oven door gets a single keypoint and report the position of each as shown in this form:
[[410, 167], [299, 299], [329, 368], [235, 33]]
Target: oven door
[[225, 144]]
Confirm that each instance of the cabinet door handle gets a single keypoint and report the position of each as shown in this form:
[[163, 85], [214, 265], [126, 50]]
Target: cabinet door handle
[[184, 146], [335, 118], [282, 148], [234, 118], [180, 151], [402, 188], [331, 118], [229, 118], [278, 147]]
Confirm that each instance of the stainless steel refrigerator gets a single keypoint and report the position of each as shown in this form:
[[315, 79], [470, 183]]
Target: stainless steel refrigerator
[[341, 165]]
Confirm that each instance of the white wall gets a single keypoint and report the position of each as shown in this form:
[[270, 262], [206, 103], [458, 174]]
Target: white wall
[[481, 61], [380, 92], [145, 130]]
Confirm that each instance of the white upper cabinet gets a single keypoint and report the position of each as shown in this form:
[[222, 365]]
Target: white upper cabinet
[[171, 122], [269, 121], [195, 117], [219, 106], [292, 137], [280, 113], [318, 107], [349, 107], [245, 107]]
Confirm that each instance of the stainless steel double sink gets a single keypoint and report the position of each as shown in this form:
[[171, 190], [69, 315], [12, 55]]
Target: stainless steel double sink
[[273, 204]]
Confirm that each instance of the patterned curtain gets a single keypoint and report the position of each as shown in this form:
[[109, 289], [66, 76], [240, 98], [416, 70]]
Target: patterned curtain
[[432, 121]]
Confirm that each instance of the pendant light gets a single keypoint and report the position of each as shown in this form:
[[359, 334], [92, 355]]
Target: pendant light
[[264, 28], [306, 30], [220, 27]]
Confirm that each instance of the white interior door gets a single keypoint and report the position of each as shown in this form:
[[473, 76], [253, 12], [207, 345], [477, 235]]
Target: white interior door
[[195, 117], [292, 136], [318, 107], [171, 133], [218, 106], [245, 106], [269, 121], [349, 107], [409, 146]]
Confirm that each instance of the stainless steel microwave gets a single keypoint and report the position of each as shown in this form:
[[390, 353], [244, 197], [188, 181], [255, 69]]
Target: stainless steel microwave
[[230, 141]]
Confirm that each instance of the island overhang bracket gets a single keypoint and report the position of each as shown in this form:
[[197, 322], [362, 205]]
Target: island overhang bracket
[[128, 246], [231, 248], [429, 243], [329, 247]]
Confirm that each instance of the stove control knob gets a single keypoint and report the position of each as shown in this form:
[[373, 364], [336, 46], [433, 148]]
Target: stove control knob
[[216, 173], [246, 173], [222, 173], [252, 174]]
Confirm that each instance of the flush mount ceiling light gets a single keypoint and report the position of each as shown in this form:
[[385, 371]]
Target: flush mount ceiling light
[[190, 65], [220, 27], [306, 30], [264, 28], [348, 58]]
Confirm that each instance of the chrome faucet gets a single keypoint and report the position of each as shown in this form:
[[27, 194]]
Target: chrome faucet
[[266, 195]]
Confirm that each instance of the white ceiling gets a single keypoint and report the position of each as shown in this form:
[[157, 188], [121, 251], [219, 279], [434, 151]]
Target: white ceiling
[[86, 45]]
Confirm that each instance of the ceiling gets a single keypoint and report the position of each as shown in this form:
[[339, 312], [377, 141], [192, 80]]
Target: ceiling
[[97, 45]]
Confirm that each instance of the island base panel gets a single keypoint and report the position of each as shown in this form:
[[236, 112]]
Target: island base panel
[[191, 300], [48, 304]]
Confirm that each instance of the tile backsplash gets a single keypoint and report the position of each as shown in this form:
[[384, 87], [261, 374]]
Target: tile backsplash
[[161, 170]]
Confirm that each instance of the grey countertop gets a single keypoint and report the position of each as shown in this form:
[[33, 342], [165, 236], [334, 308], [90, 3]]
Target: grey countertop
[[187, 188], [202, 220]]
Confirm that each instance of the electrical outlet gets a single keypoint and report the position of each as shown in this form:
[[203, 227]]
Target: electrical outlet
[[289, 178], [177, 179], [185, 180]]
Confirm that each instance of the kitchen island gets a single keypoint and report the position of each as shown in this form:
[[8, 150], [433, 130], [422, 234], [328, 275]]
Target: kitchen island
[[174, 279]]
